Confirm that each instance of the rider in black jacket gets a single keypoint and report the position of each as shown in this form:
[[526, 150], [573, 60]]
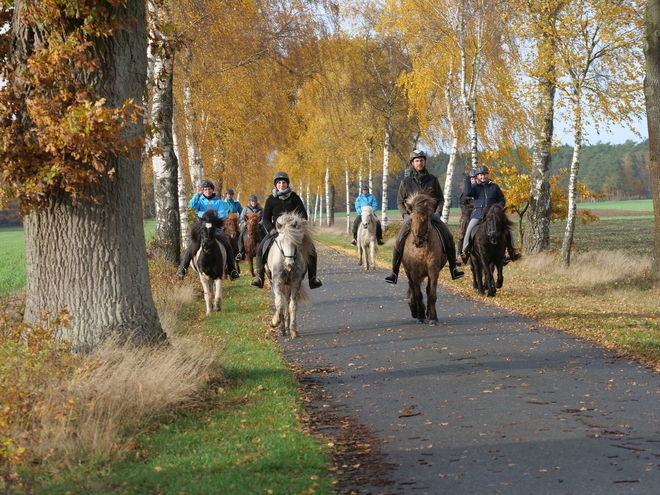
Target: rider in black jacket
[[419, 180], [282, 200]]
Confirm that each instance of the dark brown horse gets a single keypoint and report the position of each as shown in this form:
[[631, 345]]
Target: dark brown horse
[[488, 250], [232, 231], [423, 258], [253, 236]]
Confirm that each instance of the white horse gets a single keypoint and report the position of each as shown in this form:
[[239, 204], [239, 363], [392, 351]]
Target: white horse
[[366, 238], [288, 259]]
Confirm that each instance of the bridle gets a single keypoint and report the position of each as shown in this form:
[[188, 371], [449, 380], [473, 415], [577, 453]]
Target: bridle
[[291, 257], [419, 240]]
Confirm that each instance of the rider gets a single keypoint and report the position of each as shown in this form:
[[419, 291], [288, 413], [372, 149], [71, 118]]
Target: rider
[[465, 202], [419, 180], [233, 206], [253, 206], [282, 200], [205, 199], [485, 193], [366, 199]]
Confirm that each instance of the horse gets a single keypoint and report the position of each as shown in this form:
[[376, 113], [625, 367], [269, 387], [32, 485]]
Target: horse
[[423, 258], [232, 231], [252, 238], [288, 259], [489, 249], [366, 238], [209, 261]]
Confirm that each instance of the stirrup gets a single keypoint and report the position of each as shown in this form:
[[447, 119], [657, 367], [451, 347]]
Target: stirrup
[[234, 275], [392, 278], [240, 257], [354, 242], [456, 274], [257, 282]]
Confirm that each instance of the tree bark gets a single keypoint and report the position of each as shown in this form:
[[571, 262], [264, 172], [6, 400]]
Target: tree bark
[[91, 258], [385, 221], [195, 163], [652, 95], [569, 233], [164, 161]]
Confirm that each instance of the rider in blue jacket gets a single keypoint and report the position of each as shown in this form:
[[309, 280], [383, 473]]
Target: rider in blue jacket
[[485, 193], [205, 199], [366, 199], [233, 206]]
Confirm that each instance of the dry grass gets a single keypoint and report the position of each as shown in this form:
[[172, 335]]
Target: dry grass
[[117, 390]]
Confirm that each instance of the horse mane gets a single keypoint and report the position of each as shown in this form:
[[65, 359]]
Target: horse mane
[[497, 210], [249, 216], [421, 203], [294, 226], [231, 222], [209, 216]]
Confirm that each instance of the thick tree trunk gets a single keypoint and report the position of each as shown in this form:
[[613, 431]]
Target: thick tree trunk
[[195, 163], [164, 161], [652, 94], [91, 258], [183, 203]]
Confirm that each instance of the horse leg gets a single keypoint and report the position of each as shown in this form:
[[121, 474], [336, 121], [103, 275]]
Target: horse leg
[[372, 254], [431, 298], [490, 281], [500, 275], [278, 315], [477, 266], [360, 252], [416, 303], [206, 284], [293, 312], [411, 299], [217, 302]]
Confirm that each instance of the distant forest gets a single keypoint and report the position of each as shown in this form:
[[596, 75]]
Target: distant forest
[[620, 171]]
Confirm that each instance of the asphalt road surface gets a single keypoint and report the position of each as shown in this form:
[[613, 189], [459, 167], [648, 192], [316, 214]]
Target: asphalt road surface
[[486, 402]]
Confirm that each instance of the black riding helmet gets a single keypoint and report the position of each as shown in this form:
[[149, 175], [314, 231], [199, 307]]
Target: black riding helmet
[[472, 173], [281, 176], [417, 154], [208, 183], [252, 198], [482, 169]]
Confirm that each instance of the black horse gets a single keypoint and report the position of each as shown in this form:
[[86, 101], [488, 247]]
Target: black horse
[[209, 261], [489, 249]]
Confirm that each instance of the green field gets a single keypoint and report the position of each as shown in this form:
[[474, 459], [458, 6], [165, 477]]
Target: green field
[[641, 205]]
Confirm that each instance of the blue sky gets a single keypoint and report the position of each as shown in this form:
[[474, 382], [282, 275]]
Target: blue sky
[[618, 134]]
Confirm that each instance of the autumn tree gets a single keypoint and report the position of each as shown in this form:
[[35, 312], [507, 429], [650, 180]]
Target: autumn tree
[[71, 138], [652, 95]]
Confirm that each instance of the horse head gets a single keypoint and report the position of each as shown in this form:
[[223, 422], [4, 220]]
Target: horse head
[[290, 228], [367, 213], [421, 207], [205, 229], [231, 225], [252, 224], [493, 223]]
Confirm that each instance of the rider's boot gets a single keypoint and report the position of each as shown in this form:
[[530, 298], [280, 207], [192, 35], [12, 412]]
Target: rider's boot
[[241, 250], [185, 262], [393, 277], [258, 281], [379, 234], [231, 266], [354, 241], [314, 281], [448, 243]]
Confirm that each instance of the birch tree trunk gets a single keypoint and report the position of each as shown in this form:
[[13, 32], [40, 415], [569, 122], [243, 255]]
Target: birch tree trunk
[[386, 175], [183, 203], [451, 167], [569, 233], [195, 164], [91, 258], [164, 161], [652, 95], [327, 196]]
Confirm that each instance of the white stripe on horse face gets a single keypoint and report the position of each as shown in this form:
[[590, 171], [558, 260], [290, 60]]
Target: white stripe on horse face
[[208, 225]]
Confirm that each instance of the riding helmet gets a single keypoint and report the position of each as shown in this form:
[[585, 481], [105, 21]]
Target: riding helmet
[[253, 198], [417, 154], [208, 183], [472, 173], [281, 176], [482, 169], [364, 187], [229, 191]]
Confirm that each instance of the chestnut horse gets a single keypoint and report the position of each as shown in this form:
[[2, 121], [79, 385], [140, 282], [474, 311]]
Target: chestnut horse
[[252, 238], [232, 231], [489, 245], [423, 258]]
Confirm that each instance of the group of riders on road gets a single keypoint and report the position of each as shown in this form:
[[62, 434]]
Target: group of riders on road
[[479, 194]]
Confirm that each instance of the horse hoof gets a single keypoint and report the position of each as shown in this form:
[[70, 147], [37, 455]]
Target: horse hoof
[[420, 320], [433, 323], [491, 295]]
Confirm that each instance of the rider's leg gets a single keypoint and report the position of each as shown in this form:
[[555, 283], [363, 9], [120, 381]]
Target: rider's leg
[[397, 254], [379, 233], [262, 252], [231, 267], [511, 248], [314, 281], [187, 257], [241, 250], [356, 224], [468, 231], [448, 243]]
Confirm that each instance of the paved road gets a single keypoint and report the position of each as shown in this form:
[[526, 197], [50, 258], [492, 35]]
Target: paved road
[[487, 402]]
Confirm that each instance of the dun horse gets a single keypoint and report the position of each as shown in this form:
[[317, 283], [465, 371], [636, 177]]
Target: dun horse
[[488, 250], [423, 258], [209, 261], [288, 259], [232, 231], [252, 238], [366, 238]]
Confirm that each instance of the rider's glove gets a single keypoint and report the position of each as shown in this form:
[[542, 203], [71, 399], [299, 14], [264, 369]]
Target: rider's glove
[[273, 232], [406, 219], [436, 217]]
